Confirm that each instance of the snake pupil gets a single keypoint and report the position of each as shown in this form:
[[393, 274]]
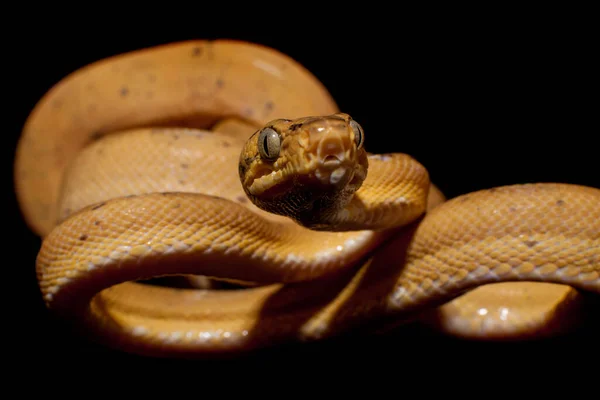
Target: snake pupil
[[266, 145]]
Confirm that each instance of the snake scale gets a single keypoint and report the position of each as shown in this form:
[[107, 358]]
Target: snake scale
[[228, 161]]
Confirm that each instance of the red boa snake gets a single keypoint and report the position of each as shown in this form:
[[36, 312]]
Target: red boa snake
[[145, 165]]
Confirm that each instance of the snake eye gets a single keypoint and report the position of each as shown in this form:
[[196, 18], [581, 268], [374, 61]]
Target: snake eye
[[359, 136], [269, 144]]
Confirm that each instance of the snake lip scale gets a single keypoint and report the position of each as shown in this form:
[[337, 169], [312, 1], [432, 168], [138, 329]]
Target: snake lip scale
[[217, 163]]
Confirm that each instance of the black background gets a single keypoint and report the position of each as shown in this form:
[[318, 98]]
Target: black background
[[480, 101]]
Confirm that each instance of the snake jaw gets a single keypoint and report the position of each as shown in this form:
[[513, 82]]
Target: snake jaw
[[265, 181]]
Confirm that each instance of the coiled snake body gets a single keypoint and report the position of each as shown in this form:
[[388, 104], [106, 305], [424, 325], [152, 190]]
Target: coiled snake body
[[229, 160]]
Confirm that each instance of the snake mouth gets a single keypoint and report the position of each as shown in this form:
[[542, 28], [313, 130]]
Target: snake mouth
[[266, 180], [329, 172], [331, 161], [326, 174], [334, 175]]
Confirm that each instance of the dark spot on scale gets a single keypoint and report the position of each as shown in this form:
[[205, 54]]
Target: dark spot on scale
[[83, 237], [512, 209], [492, 190], [530, 243], [220, 83], [225, 143], [248, 112], [96, 135], [175, 136], [97, 206], [97, 222], [176, 205], [181, 182], [242, 199], [196, 51], [184, 165], [269, 105], [124, 91], [151, 78], [560, 202]]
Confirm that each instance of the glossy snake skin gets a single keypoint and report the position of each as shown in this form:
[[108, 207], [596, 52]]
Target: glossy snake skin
[[149, 164]]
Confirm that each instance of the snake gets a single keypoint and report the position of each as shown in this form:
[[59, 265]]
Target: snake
[[227, 165]]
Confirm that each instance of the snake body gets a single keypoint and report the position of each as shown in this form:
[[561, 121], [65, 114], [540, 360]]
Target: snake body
[[149, 164]]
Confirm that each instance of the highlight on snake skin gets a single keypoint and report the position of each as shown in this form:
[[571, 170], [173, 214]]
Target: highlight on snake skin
[[209, 197]]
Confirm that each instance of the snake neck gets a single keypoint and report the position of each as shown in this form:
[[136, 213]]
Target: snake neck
[[345, 210], [313, 209], [331, 212], [362, 212]]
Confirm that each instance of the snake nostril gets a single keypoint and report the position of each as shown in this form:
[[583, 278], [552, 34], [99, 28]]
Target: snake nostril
[[331, 150]]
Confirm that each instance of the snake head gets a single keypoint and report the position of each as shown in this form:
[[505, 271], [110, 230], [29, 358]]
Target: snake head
[[306, 168]]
